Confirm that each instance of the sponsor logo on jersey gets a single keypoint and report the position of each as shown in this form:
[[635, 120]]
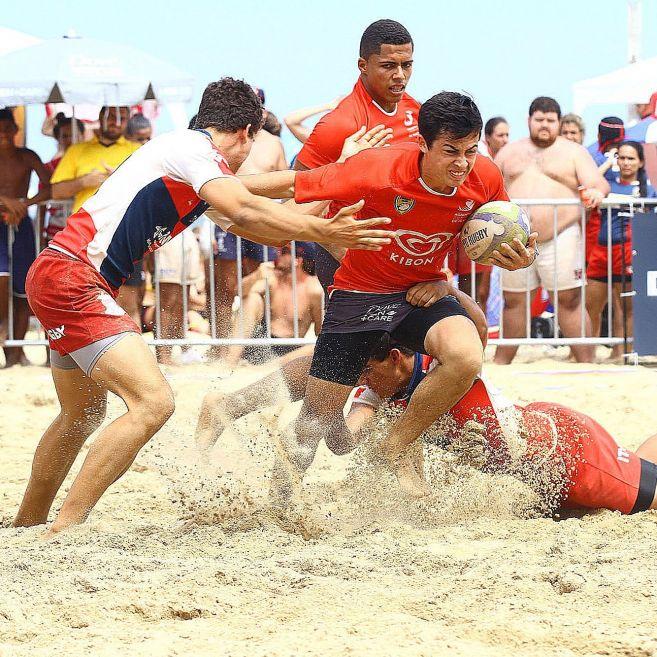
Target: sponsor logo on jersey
[[56, 333], [403, 204], [161, 236], [464, 210], [418, 244]]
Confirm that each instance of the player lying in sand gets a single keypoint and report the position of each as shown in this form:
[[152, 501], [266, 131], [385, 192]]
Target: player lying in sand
[[429, 189], [72, 286], [567, 457], [219, 408]]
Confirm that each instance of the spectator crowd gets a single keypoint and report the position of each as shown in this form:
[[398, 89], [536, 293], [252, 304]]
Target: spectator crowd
[[211, 282]]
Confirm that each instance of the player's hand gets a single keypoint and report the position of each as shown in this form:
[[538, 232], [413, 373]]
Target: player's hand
[[591, 198], [345, 230], [515, 255], [12, 210], [94, 179], [363, 139], [426, 294]]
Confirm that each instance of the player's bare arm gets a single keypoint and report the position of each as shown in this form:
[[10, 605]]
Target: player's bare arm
[[260, 219]]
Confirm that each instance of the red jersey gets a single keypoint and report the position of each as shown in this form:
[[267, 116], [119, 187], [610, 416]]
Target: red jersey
[[424, 221], [356, 110]]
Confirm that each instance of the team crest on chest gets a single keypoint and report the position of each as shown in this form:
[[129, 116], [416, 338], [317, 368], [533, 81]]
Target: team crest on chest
[[403, 204]]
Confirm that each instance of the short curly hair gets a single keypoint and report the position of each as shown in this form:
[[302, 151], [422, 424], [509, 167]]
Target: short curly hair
[[230, 105], [450, 113]]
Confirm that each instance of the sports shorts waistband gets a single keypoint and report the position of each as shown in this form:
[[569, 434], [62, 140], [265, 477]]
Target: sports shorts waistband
[[59, 249]]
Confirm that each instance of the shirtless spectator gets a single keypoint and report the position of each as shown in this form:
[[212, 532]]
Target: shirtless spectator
[[139, 129], [545, 165], [294, 120], [16, 167], [277, 278], [266, 155], [572, 128]]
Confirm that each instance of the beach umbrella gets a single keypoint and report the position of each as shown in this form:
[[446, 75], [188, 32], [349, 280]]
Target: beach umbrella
[[77, 70]]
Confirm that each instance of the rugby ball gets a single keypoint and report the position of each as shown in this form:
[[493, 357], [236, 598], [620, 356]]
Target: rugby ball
[[490, 226]]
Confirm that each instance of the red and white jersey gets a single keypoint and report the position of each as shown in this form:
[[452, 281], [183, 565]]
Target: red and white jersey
[[146, 202], [424, 221], [356, 110]]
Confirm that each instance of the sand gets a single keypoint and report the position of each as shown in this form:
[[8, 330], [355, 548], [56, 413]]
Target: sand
[[167, 566]]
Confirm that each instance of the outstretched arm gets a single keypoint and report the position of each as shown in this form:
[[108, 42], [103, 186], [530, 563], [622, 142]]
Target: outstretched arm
[[264, 221]]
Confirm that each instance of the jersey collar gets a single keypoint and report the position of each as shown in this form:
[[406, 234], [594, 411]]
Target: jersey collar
[[433, 191]]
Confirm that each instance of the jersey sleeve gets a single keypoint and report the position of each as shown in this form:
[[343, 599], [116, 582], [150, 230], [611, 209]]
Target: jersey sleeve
[[325, 142], [346, 181], [195, 161], [367, 397], [67, 168]]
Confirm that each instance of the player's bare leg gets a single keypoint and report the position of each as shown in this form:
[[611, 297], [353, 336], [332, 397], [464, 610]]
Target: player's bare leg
[[456, 345], [83, 403], [129, 370], [253, 311], [320, 417], [220, 408]]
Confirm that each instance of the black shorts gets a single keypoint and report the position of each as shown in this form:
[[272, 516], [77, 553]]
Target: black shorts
[[325, 267], [355, 322], [647, 486]]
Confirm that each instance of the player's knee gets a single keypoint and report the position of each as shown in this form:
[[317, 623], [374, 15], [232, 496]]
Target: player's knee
[[155, 407], [464, 361], [85, 420]]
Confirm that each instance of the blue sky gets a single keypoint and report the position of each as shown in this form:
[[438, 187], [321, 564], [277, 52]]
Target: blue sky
[[503, 52]]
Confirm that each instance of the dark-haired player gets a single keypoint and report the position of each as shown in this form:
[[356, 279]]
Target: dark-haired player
[[379, 97], [154, 195], [429, 189], [584, 466]]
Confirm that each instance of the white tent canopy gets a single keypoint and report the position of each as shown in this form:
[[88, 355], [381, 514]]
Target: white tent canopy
[[631, 84], [13, 40], [77, 70]]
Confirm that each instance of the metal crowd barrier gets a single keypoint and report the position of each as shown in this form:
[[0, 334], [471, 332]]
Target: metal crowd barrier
[[239, 337]]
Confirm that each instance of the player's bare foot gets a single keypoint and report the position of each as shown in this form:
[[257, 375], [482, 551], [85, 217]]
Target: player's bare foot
[[409, 479]]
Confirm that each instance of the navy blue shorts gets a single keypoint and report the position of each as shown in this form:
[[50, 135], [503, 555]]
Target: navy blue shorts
[[227, 247], [24, 253], [356, 321]]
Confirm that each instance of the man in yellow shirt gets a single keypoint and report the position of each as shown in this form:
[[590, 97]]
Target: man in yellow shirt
[[85, 166]]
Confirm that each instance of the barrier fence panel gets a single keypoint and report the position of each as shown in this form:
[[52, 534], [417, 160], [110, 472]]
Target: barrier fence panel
[[615, 213]]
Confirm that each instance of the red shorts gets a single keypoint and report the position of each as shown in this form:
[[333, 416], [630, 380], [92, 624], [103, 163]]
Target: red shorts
[[598, 258], [458, 261], [605, 475], [74, 303], [592, 231]]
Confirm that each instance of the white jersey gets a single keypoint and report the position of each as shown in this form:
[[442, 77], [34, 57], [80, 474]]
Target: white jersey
[[148, 200]]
